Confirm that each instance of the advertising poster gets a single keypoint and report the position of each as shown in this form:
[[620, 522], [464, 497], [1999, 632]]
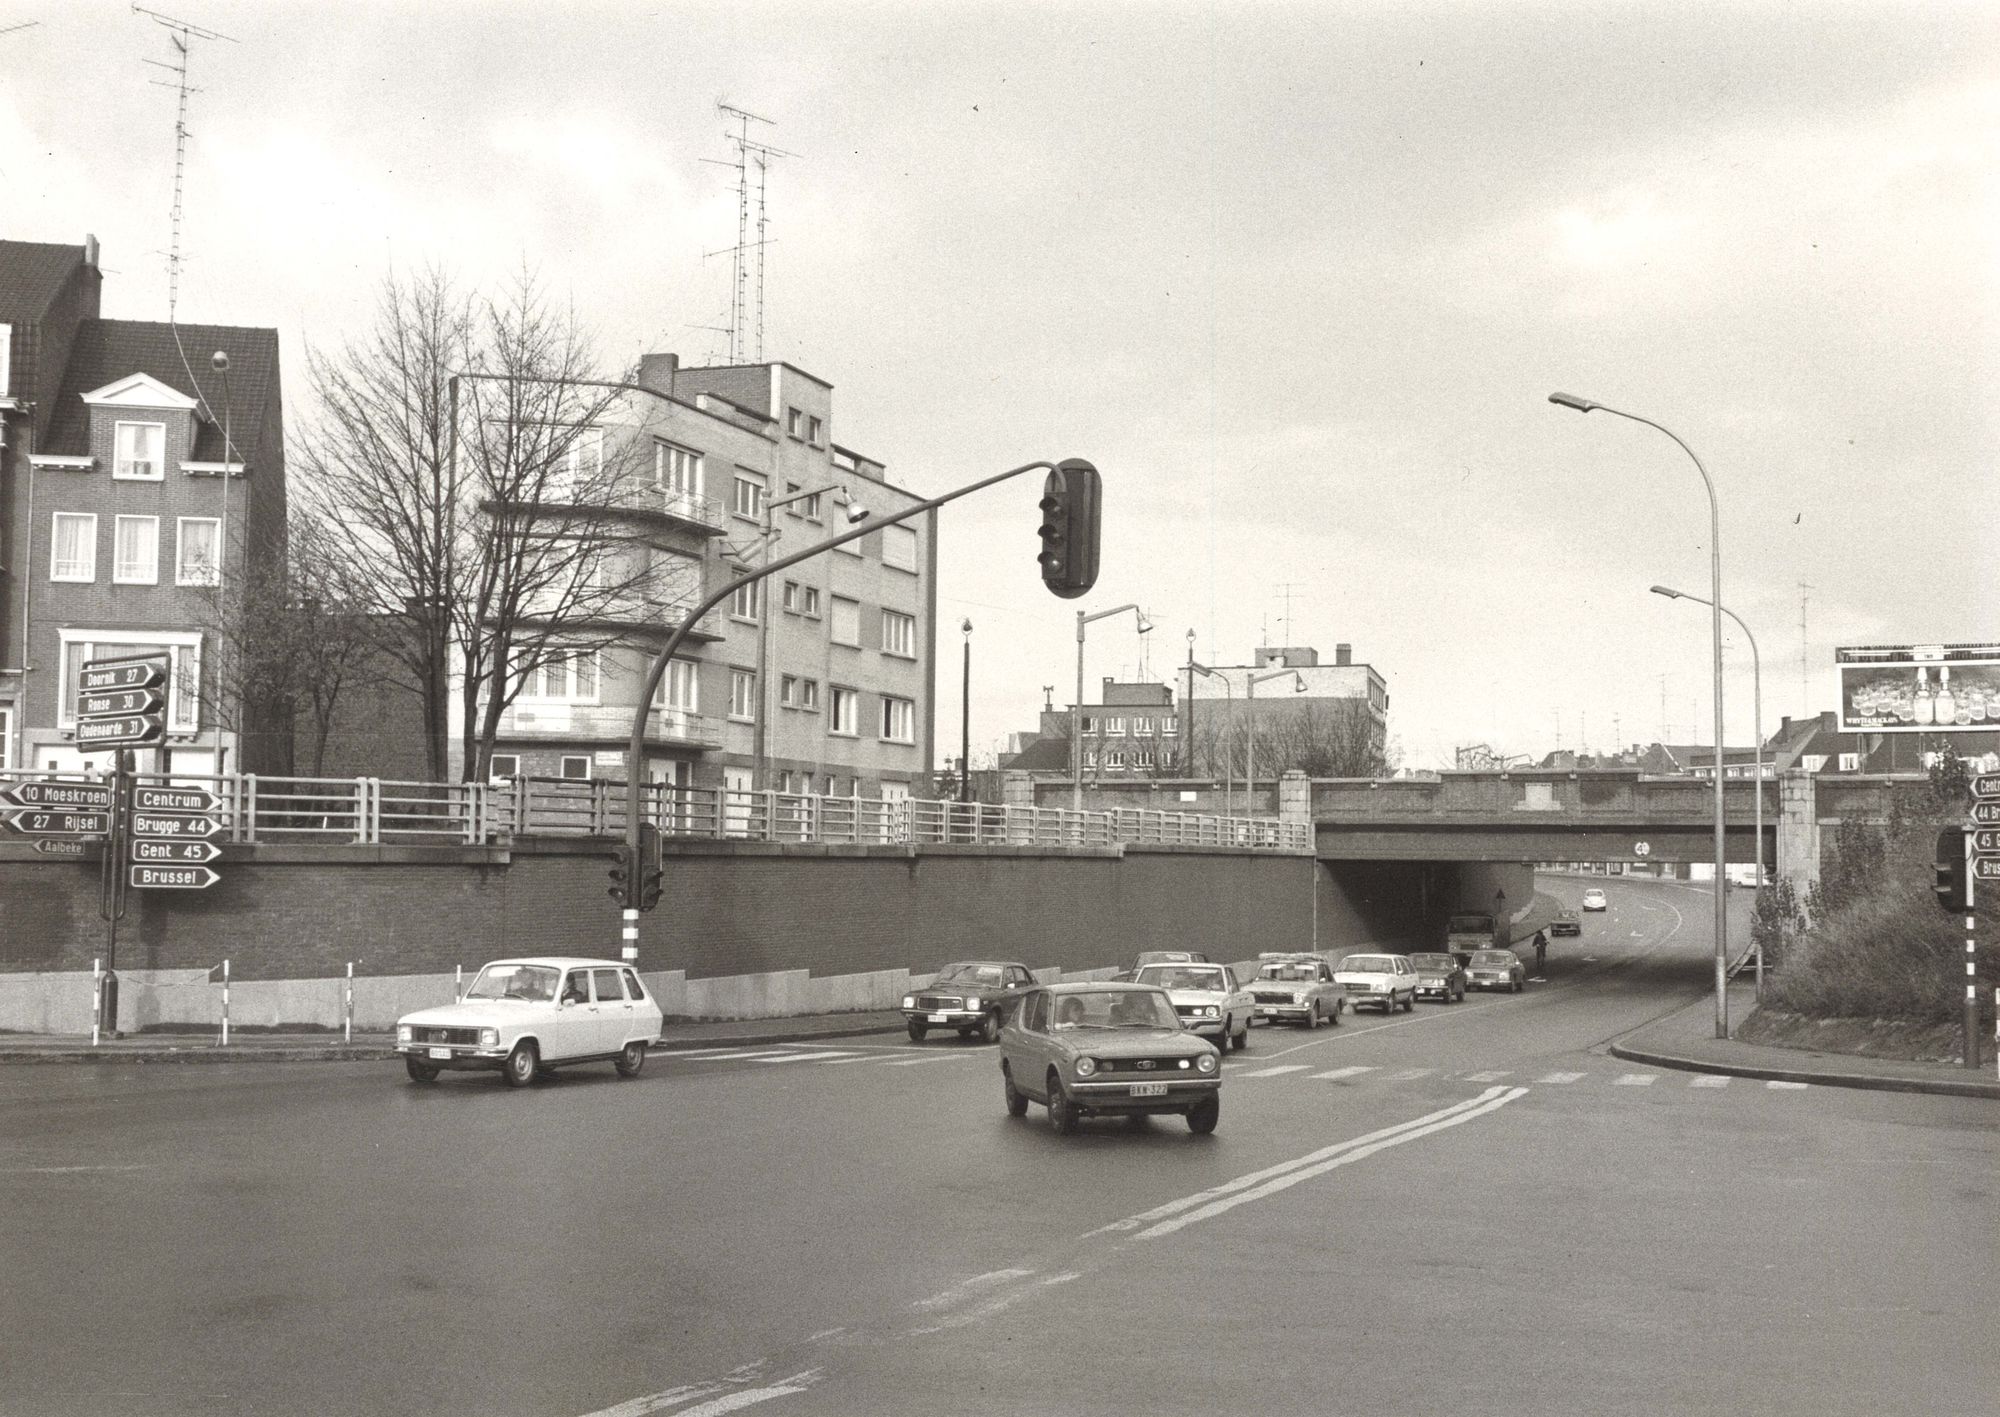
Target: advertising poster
[[1919, 688]]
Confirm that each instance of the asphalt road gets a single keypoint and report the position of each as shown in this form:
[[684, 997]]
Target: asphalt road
[[1472, 1208]]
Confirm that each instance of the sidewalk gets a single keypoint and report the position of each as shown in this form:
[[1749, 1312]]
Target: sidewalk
[[1685, 1040], [377, 1047]]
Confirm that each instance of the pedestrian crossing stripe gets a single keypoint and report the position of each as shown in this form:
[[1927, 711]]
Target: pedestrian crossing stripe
[[1709, 1080], [1336, 1074], [802, 1058], [1559, 1078], [1780, 1083], [1274, 1072], [1487, 1077], [1636, 1080], [1409, 1075]]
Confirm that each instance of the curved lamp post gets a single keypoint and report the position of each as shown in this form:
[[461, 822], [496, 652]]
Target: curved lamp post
[[1583, 405], [1076, 711], [1757, 714], [1250, 769], [1228, 731]]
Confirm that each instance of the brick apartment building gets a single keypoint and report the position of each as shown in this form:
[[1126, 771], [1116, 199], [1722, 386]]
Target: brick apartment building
[[135, 478], [819, 680]]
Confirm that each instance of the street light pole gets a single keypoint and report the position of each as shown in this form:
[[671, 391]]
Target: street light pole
[[965, 721], [1076, 709], [1583, 405], [1757, 759], [1250, 772]]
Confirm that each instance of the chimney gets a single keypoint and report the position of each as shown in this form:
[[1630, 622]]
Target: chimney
[[1343, 654], [90, 250], [656, 372]]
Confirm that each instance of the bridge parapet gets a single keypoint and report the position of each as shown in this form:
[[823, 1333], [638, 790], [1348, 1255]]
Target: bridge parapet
[[1515, 795]]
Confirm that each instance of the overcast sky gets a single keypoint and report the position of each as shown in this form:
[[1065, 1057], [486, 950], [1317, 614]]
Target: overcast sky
[[1297, 278]]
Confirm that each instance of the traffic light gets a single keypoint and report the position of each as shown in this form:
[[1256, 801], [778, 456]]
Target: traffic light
[[1949, 866], [621, 875], [650, 866], [1070, 501]]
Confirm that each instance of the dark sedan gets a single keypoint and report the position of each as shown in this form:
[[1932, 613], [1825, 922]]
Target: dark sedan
[[1566, 923], [1441, 977], [972, 996]]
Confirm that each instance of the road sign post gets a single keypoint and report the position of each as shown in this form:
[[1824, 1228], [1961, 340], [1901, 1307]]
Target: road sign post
[[1982, 863]]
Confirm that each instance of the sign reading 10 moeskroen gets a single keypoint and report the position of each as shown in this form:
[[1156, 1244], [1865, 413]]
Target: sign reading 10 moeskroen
[[121, 702]]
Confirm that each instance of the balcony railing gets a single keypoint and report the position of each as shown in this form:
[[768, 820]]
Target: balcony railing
[[371, 812], [555, 720]]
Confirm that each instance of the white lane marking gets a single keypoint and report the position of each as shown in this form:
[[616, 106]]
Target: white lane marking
[[1410, 1074], [1174, 1207], [1793, 1086], [1306, 1173], [1274, 1072], [1493, 1076], [741, 1056], [687, 1392], [669, 1054], [1559, 1078], [918, 1062], [966, 1288], [1334, 1074], [1465, 1010], [67, 1170], [750, 1397], [805, 1057], [1635, 1080], [1708, 1080], [851, 1058]]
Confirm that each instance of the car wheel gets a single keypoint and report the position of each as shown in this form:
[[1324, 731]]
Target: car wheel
[[1243, 1036], [1203, 1116], [989, 1029], [1519, 986], [522, 1065], [631, 1058], [1062, 1111], [1339, 1007], [1410, 1004], [917, 1031], [420, 1071], [1017, 1100], [1312, 1016]]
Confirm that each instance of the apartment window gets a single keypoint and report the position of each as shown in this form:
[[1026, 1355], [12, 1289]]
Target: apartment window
[[73, 557], [899, 634], [747, 500], [576, 766], [676, 470], [503, 767], [6, 359], [1114, 759], [1090, 757], [899, 720], [194, 550], [846, 713], [788, 690], [563, 676], [582, 463], [743, 694], [1170, 725], [1089, 724], [846, 625], [1114, 727], [802, 599], [680, 686], [794, 421], [141, 451], [746, 602], [806, 506], [135, 555], [1850, 762], [813, 430], [809, 694], [899, 547], [1813, 762]]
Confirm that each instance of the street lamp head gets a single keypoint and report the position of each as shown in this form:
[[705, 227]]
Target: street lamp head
[[1298, 683], [856, 513], [220, 359], [1145, 625], [1581, 405], [967, 627], [1190, 639], [1667, 592]]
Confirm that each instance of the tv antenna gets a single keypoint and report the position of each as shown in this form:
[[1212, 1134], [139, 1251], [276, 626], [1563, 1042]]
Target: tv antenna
[[23, 25], [748, 154], [1805, 655], [179, 32], [1286, 588]]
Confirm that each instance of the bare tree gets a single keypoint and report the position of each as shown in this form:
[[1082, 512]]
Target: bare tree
[[1319, 737]]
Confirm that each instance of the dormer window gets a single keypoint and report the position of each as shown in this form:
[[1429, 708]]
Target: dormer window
[[141, 451]]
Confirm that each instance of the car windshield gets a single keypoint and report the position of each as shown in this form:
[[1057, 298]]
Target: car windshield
[[532, 983], [1368, 964], [1114, 1008], [1434, 961], [1165, 957], [1183, 976], [988, 974], [1499, 959], [1293, 972]]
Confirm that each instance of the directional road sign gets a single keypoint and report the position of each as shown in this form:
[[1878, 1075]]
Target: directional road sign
[[167, 826], [59, 848], [38, 821], [1986, 784], [1982, 812], [1986, 868], [146, 849], [114, 702], [93, 734], [102, 674], [90, 796], [180, 878], [1986, 841], [174, 799]]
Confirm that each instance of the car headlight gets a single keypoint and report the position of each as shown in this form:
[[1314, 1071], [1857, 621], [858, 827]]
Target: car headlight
[[972, 1003], [489, 1038], [1206, 1062], [909, 1002], [404, 1033], [1297, 997], [1212, 1011], [1085, 1067]]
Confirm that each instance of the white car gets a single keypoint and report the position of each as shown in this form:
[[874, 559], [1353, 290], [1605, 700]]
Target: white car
[[1388, 980], [1297, 987], [522, 1017], [1593, 899], [1207, 998]]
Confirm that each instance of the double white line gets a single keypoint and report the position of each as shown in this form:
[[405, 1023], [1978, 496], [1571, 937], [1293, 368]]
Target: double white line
[[1205, 1205]]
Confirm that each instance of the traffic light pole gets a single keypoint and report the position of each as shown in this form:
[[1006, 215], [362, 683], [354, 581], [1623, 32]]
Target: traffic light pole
[[635, 755], [1971, 1049]]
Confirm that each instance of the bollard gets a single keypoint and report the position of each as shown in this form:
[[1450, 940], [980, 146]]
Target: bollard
[[347, 1026], [457, 983], [225, 1003], [96, 998]]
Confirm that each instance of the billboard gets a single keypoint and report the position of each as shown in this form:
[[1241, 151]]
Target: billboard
[[1919, 688]]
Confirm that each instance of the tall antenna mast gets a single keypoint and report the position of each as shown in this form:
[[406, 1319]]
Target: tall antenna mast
[[746, 152], [179, 32], [1286, 588], [1805, 655], [23, 25]]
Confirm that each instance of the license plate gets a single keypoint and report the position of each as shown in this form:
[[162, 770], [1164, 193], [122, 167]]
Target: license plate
[[939, 1018], [1267, 1011], [1149, 1089], [440, 1052]]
